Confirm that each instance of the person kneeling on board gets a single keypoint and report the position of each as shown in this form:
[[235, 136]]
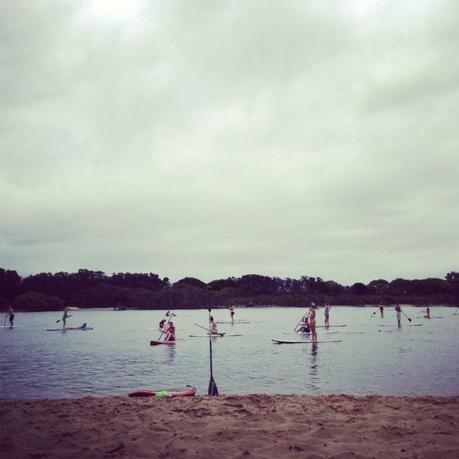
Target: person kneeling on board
[[304, 327], [170, 332], [213, 326]]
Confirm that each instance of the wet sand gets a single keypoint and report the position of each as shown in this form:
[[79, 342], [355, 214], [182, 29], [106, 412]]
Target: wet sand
[[258, 426]]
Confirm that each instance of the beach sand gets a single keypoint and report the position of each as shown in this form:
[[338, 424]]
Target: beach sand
[[258, 426]]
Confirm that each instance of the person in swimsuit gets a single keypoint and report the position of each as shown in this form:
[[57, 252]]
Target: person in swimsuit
[[170, 333], [10, 315], [427, 313], [398, 310], [65, 317], [312, 322], [327, 315], [381, 310], [213, 326], [231, 309]]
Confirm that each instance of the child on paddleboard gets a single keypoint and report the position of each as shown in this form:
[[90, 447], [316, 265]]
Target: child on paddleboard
[[304, 326], [427, 313]]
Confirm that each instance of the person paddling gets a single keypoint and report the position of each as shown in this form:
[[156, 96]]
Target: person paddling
[[427, 313], [65, 317], [381, 310], [398, 310], [10, 315], [170, 332], [213, 326], [312, 322], [304, 327], [327, 315]]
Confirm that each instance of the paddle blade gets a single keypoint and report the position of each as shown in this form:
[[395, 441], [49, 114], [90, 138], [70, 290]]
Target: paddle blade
[[213, 390]]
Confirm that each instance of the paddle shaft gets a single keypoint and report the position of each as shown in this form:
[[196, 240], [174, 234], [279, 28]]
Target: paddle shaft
[[212, 390], [301, 320], [209, 330], [405, 315]]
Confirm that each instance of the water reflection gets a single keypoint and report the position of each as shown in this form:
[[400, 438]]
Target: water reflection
[[169, 354]]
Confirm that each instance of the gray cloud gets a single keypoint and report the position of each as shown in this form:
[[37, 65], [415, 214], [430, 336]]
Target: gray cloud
[[216, 139]]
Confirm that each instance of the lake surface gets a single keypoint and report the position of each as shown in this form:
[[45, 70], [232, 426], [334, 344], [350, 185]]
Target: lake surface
[[116, 358]]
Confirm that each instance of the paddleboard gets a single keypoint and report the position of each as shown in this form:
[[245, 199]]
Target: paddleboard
[[235, 322], [164, 393], [70, 329], [285, 341], [436, 317], [213, 336], [331, 326], [404, 325], [155, 342]]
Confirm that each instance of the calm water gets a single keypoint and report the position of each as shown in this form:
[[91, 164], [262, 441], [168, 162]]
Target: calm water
[[116, 358]]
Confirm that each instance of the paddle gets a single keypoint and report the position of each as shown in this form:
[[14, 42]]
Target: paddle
[[212, 390], [210, 331], [405, 315], [60, 320]]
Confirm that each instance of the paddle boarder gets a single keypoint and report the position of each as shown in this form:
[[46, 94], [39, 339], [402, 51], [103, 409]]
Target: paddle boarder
[[170, 332], [327, 315], [304, 327], [312, 322], [65, 317], [398, 310], [10, 315], [427, 313], [381, 310], [213, 326], [231, 310]]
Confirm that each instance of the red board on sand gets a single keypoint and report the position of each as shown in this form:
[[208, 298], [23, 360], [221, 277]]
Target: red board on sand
[[148, 393]]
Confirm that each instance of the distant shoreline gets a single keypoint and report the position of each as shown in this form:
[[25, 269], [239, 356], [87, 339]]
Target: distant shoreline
[[220, 307]]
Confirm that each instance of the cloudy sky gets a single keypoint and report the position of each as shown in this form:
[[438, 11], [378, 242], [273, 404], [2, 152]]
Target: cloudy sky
[[210, 139]]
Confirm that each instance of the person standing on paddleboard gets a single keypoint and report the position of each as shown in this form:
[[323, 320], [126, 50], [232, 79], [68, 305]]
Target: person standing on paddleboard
[[231, 310], [381, 310], [312, 322], [398, 310], [10, 315], [427, 313], [65, 317], [327, 315]]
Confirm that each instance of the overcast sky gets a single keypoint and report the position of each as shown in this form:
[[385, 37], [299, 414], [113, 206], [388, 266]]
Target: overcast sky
[[211, 139]]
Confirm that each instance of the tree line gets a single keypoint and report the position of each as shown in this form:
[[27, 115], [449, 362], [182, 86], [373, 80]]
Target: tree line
[[89, 289]]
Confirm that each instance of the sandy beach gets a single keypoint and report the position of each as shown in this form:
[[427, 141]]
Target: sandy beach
[[262, 426]]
